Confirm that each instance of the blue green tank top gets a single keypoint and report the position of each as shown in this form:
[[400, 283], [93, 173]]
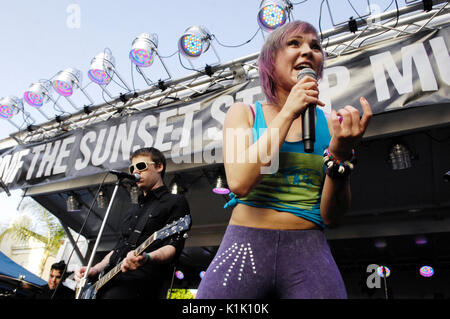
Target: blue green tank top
[[297, 185]]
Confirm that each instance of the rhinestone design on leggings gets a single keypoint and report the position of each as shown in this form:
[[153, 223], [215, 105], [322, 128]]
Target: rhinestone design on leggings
[[240, 256]]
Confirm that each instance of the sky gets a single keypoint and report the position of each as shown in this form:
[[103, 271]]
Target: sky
[[40, 38]]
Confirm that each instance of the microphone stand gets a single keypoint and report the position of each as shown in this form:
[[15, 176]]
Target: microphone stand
[[84, 279]]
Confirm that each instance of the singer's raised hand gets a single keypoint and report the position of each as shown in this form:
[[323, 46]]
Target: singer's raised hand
[[348, 131]]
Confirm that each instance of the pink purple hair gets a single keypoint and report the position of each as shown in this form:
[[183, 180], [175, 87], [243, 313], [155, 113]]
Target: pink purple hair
[[266, 61]]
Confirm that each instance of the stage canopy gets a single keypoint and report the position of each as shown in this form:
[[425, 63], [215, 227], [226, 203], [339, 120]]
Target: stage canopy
[[406, 79]]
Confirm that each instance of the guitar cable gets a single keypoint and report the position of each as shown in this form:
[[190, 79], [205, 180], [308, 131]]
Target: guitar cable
[[79, 233]]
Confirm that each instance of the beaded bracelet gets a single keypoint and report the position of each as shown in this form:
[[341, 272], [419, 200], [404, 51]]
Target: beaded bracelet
[[336, 168]]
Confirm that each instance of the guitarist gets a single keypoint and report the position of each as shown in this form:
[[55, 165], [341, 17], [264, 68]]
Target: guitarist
[[144, 276]]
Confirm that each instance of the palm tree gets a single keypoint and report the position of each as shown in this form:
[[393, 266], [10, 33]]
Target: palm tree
[[46, 229]]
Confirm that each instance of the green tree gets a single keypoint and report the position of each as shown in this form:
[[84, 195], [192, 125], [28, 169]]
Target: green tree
[[37, 222], [181, 294]]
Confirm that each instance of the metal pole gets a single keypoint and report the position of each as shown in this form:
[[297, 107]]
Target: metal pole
[[83, 281]]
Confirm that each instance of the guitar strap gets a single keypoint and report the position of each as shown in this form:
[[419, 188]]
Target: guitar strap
[[151, 210]]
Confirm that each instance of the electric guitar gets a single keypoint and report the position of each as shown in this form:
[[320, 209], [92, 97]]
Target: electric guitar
[[183, 224]]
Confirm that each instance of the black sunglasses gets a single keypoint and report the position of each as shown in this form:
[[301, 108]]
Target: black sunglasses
[[141, 166]]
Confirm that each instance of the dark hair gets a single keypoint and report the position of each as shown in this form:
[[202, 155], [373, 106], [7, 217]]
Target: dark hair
[[156, 155], [266, 61], [59, 266]]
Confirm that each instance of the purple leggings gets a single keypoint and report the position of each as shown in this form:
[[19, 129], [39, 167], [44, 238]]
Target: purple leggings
[[255, 263]]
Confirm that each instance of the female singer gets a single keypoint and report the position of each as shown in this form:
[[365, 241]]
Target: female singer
[[274, 245]]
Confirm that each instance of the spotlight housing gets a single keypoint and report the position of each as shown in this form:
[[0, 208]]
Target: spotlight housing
[[383, 271], [143, 49], [194, 41], [10, 106], [177, 185], [380, 243], [426, 271], [399, 157], [421, 240], [179, 274], [102, 68], [273, 14], [174, 188], [101, 200], [221, 188], [72, 204], [67, 81], [38, 94]]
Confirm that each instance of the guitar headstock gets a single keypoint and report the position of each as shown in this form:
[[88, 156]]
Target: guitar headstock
[[178, 226]]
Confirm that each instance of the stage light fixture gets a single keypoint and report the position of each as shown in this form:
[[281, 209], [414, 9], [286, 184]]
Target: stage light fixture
[[66, 82], [383, 271], [179, 274], [101, 200], [102, 70], [143, 49], [221, 188], [399, 157], [38, 94], [194, 41], [380, 243], [177, 185], [72, 204], [10, 106], [174, 188], [273, 14], [421, 240], [426, 271]]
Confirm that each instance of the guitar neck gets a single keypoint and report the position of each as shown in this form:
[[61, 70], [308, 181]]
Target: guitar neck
[[110, 274]]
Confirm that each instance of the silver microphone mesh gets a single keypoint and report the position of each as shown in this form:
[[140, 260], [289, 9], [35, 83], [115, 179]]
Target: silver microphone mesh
[[306, 71]]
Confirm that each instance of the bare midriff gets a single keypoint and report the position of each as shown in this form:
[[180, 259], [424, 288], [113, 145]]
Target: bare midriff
[[249, 216]]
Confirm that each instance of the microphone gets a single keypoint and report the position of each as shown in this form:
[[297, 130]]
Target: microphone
[[5, 188], [122, 175], [308, 125]]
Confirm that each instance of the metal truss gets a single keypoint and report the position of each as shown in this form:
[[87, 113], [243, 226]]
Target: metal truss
[[336, 42]]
